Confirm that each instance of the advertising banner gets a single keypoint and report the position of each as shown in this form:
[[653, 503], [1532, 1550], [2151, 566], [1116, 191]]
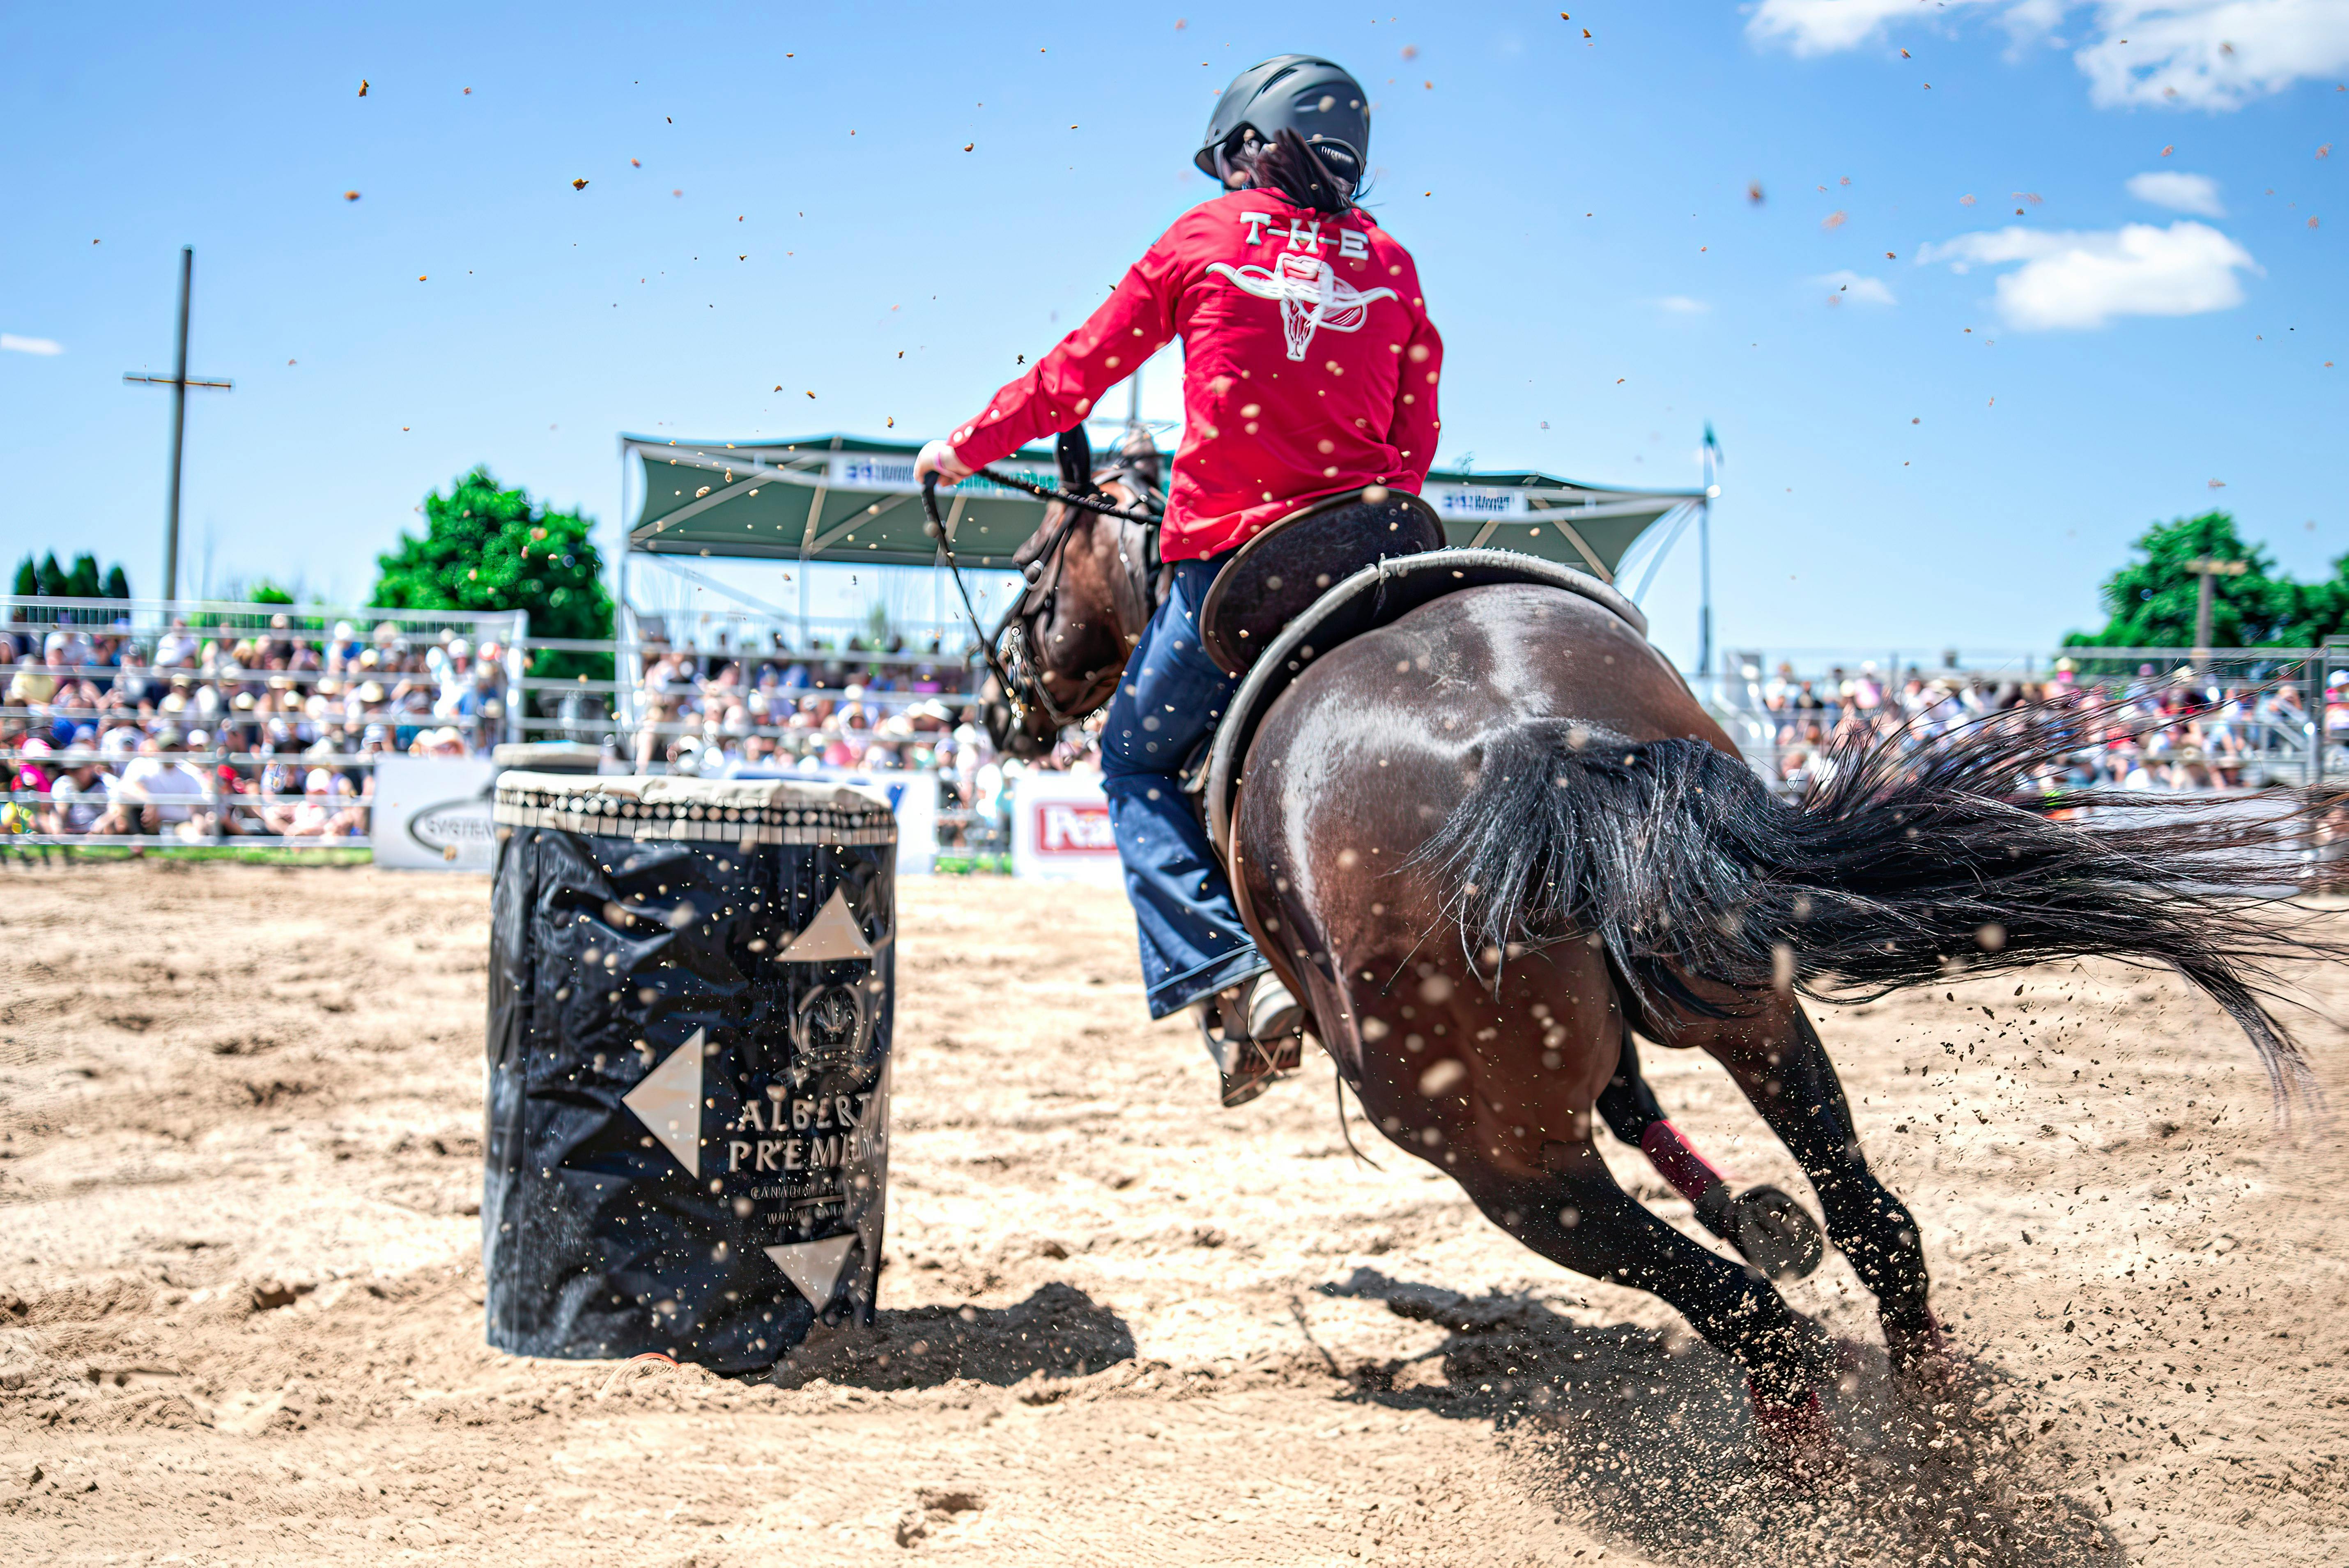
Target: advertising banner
[[914, 801], [892, 474], [433, 814], [1060, 831], [1477, 500]]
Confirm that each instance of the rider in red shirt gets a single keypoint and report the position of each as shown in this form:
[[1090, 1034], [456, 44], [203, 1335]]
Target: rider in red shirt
[[1309, 369], [1308, 366]]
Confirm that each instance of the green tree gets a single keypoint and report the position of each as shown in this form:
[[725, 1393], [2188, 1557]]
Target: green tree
[[265, 592], [83, 582], [2322, 609], [489, 549], [47, 577], [2152, 602]]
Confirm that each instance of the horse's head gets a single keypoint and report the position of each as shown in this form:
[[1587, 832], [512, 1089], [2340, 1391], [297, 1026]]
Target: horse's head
[[1090, 593]]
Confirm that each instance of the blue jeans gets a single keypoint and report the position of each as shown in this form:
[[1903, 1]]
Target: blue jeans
[[1170, 697]]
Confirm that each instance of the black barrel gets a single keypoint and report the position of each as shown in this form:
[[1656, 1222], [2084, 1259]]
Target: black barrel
[[688, 1065]]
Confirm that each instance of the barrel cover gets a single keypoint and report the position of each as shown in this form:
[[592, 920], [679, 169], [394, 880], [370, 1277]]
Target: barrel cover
[[688, 1072]]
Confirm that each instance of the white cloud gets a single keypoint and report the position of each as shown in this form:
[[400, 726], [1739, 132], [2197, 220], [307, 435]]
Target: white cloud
[[2186, 54], [2082, 280], [2211, 53], [1827, 27], [11, 343], [2196, 193], [1681, 304], [1847, 284]]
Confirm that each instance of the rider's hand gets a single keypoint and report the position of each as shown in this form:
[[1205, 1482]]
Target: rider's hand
[[939, 457]]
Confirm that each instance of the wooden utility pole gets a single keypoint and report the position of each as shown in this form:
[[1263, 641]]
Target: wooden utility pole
[[2209, 566], [178, 382]]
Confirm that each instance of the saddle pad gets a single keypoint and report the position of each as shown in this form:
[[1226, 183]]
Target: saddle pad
[[1277, 576], [1370, 598]]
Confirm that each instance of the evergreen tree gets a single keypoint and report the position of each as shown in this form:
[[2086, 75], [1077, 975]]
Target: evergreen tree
[[83, 582], [118, 584], [28, 579], [52, 578]]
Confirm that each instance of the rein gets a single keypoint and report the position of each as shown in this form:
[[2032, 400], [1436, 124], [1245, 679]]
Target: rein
[[1020, 693], [1052, 492]]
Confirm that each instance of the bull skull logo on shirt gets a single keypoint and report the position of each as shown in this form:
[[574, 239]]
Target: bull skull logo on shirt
[[1312, 295]]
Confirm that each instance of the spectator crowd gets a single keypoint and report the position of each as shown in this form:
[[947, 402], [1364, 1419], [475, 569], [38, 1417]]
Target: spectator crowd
[[2172, 730], [874, 707], [202, 733]]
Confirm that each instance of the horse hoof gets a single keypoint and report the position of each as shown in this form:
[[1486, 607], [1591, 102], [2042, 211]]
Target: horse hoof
[[1921, 1356], [1776, 1235], [1795, 1436]]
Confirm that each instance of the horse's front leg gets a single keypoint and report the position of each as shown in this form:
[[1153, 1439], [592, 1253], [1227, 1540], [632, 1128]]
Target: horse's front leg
[[1779, 1062]]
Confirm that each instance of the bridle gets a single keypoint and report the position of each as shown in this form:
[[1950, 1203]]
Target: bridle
[[1006, 651]]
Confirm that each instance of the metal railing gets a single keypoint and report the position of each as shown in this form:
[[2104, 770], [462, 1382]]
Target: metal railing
[[146, 620]]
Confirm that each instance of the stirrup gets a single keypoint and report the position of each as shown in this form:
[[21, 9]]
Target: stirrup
[[1248, 1065]]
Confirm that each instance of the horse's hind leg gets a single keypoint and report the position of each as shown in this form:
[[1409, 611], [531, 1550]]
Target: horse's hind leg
[[1778, 1060], [1462, 1079], [1571, 1212]]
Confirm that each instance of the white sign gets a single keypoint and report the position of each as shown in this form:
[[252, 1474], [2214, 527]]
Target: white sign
[[1061, 829], [912, 797], [1467, 501], [913, 800], [873, 471], [432, 814]]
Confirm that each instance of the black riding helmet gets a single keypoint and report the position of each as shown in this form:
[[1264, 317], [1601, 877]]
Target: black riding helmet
[[1304, 93]]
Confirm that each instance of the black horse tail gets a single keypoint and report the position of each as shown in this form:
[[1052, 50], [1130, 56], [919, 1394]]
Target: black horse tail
[[1915, 859]]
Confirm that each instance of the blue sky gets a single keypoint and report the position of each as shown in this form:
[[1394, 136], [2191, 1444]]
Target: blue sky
[[2157, 316]]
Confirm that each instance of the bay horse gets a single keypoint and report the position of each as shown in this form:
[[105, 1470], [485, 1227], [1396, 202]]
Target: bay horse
[[1490, 841]]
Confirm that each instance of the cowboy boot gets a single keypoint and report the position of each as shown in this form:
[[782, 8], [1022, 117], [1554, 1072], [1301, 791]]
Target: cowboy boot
[[1253, 1031]]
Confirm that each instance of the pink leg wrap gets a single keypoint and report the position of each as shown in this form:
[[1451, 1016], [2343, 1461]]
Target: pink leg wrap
[[1673, 1154]]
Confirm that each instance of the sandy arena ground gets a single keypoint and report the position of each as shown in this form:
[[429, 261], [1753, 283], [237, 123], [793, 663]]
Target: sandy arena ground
[[240, 1297]]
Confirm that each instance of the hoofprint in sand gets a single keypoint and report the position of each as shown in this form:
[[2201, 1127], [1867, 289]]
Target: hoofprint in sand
[[239, 1289]]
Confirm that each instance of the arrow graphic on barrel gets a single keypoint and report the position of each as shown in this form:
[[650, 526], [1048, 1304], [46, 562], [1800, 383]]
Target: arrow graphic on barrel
[[832, 934], [813, 1267], [668, 1102]]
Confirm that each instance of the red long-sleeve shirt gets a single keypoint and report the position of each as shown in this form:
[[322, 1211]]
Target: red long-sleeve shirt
[[1308, 366]]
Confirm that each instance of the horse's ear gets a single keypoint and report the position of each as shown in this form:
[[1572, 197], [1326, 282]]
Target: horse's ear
[[1140, 452], [1076, 452]]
